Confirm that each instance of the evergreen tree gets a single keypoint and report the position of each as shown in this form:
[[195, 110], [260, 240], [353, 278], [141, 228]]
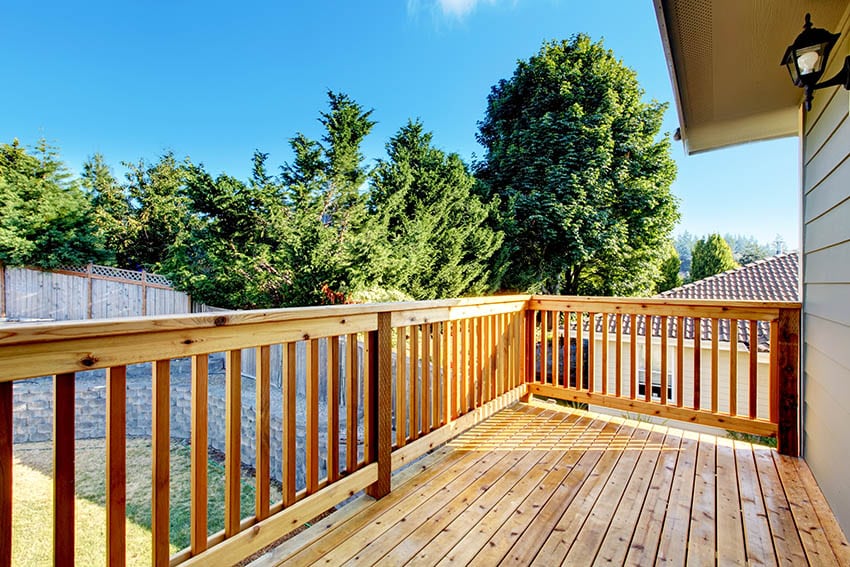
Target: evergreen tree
[[231, 257], [583, 179], [111, 211], [45, 218], [711, 256], [160, 215], [326, 248], [670, 268], [438, 240]]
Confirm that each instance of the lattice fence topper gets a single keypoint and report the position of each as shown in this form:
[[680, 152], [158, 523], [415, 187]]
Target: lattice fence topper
[[118, 274]]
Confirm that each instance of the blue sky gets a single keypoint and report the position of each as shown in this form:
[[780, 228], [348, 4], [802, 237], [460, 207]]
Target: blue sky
[[216, 80]]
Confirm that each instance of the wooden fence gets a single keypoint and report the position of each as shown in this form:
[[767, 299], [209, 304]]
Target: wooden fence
[[457, 362], [87, 292]]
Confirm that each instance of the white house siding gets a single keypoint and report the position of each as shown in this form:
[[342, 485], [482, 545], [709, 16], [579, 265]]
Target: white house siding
[[826, 287]]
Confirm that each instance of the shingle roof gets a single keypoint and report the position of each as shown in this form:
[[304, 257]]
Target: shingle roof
[[772, 279]]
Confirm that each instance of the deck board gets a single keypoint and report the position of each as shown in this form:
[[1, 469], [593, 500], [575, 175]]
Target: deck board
[[541, 484]]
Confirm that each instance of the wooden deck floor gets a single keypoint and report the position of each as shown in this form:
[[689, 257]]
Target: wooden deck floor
[[547, 486]]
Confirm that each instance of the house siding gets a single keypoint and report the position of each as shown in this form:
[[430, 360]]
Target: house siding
[[826, 288]]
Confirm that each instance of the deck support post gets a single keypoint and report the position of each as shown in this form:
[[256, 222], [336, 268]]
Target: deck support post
[[786, 377], [380, 398], [529, 322]]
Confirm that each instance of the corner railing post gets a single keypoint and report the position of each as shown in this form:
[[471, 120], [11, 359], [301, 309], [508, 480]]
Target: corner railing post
[[529, 323], [787, 374], [380, 398]]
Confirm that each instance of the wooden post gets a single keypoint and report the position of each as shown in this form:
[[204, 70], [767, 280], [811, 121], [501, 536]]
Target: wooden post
[[63, 469], [380, 398], [160, 453], [2, 291], [144, 292], [6, 436], [787, 378], [116, 464], [89, 308], [529, 322]]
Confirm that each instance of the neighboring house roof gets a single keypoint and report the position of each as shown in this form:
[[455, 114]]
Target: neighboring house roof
[[723, 58], [772, 279]]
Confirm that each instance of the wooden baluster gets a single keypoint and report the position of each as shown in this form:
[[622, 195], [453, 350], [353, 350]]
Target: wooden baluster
[[697, 362], [633, 327], [435, 376], [664, 384], [544, 347], [468, 386], [647, 367], [555, 316], [6, 438], [333, 409], [733, 367], [447, 372], [618, 356], [566, 350], [680, 360], [426, 378], [579, 351], [754, 368], [63, 469], [591, 352], [368, 409], [232, 443], [773, 373], [715, 331], [457, 380], [604, 353], [493, 355], [351, 402], [478, 348], [400, 388], [116, 465], [262, 433], [160, 452], [530, 346], [414, 382], [199, 457], [380, 375], [288, 393], [786, 402], [312, 441]]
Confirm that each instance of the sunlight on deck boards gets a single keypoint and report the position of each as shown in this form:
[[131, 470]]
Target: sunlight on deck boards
[[543, 485]]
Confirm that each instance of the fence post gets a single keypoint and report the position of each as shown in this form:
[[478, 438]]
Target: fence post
[[787, 379], [144, 293], [89, 271], [2, 290], [380, 399]]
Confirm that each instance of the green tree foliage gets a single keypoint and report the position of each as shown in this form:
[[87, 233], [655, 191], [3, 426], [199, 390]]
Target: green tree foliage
[[746, 249], [684, 244], [712, 255], [326, 249], [670, 268], [110, 211], [231, 256], [439, 242], [583, 179], [45, 219], [160, 215]]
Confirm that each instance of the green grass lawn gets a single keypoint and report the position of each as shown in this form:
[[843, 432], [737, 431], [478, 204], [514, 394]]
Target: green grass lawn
[[33, 501]]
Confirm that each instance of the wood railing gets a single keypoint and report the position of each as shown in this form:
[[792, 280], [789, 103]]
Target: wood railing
[[706, 355], [398, 380]]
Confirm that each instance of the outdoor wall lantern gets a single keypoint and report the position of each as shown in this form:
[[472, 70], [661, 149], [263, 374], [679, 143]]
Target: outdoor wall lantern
[[806, 60]]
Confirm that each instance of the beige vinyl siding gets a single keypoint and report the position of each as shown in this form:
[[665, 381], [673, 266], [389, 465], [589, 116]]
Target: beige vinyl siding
[[826, 289]]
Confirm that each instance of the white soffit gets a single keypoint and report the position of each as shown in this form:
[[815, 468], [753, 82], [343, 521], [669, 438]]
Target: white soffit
[[723, 57]]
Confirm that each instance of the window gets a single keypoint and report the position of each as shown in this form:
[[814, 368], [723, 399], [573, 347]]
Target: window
[[656, 385]]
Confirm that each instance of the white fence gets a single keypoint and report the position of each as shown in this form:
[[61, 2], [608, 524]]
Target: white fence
[[88, 292]]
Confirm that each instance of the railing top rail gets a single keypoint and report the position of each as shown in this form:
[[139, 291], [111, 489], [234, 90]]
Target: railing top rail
[[25, 333], [716, 308]]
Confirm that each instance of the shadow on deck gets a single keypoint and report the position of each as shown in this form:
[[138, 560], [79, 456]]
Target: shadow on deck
[[541, 485]]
